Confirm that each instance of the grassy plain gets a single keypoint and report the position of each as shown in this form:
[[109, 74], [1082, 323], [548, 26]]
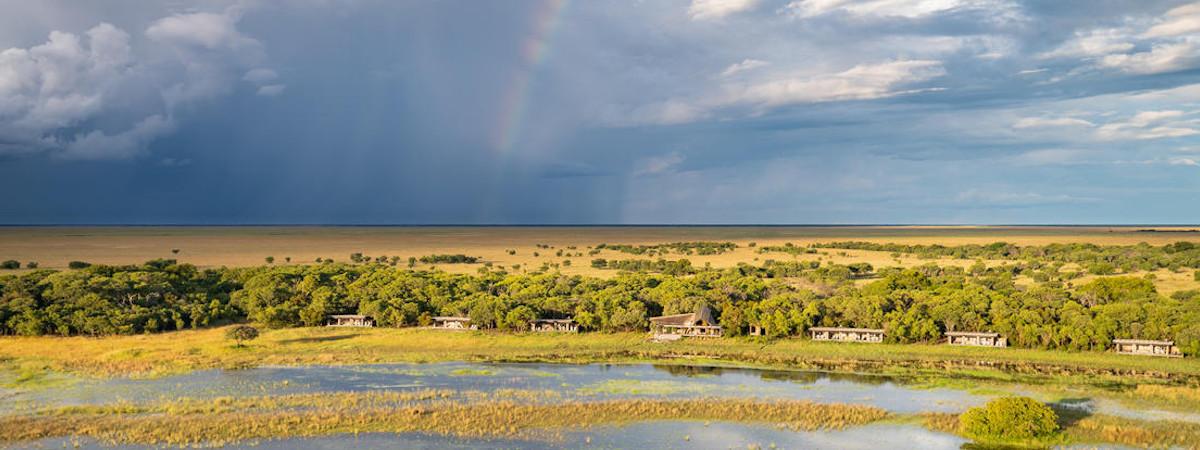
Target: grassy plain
[[54, 247]]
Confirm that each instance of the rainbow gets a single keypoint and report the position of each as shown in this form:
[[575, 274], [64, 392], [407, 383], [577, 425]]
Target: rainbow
[[535, 50]]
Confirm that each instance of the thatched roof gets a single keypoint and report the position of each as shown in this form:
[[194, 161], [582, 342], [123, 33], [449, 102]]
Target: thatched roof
[[554, 321], [702, 316], [1142, 342], [972, 333], [845, 330]]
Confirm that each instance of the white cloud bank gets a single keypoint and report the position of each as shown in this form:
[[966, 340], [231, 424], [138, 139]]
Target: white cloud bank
[[769, 90], [745, 65], [1170, 44], [716, 9], [96, 96], [1143, 125], [880, 8]]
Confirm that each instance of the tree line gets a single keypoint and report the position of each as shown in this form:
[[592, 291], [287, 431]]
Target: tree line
[[784, 298], [684, 248], [1097, 259]]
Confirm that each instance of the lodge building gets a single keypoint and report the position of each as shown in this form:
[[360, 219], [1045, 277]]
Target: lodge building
[[868, 335], [453, 323], [976, 339], [676, 326], [554, 326], [1147, 347], [350, 320]]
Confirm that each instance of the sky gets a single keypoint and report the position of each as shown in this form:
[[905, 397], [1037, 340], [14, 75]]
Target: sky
[[599, 112]]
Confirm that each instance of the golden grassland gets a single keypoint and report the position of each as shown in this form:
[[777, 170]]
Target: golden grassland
[[182, 351], [232, 420], [54, 247]]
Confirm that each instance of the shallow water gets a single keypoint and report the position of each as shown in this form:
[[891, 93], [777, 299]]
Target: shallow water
[[585, 382], [573, 381]]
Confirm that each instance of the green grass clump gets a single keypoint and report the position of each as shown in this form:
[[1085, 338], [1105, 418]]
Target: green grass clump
[[1010, 419]]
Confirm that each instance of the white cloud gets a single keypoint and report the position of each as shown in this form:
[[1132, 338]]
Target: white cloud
[[1183, 162], [1162, 58], [1093, 43], [92, 96], [1172, 44], [861, 82], [716, 9], [100, 145], [1051, 122], [658, 164], [1180, 21], [1149, 125], [746, 64], [783, 88], [206, 30], [1145, 118], [882, 8], [59, 84]]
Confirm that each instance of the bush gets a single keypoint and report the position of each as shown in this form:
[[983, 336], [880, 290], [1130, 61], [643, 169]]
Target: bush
[[10, 265], [1196, 276], [241, 333], [79, 265], [450, 259], [1009, 418], [31, 265]]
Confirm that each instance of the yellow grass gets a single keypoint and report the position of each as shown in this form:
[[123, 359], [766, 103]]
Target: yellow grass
[[157, 354], [322, 414], [54, 247]]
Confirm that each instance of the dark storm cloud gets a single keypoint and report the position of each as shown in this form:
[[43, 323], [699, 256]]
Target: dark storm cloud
[[546, 111]]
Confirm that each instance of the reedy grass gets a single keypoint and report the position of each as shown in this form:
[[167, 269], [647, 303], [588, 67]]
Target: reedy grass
[[226, 421]]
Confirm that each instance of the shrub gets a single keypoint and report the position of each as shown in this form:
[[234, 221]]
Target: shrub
[[31, 265], [10, 265], [1009, 418], [1196, 276], [241, 333], [450, 259], [79, 265]]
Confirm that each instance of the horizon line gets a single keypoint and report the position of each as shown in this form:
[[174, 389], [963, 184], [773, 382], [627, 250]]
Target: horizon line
[[586, 225]]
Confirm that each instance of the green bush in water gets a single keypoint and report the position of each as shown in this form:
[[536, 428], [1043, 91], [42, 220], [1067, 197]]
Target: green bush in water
[[1009, 418]]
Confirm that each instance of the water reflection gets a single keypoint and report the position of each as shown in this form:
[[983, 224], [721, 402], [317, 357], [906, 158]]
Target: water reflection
[[595, 381]]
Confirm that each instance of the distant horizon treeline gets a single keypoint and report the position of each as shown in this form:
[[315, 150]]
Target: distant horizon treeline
[[1096, 259]]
